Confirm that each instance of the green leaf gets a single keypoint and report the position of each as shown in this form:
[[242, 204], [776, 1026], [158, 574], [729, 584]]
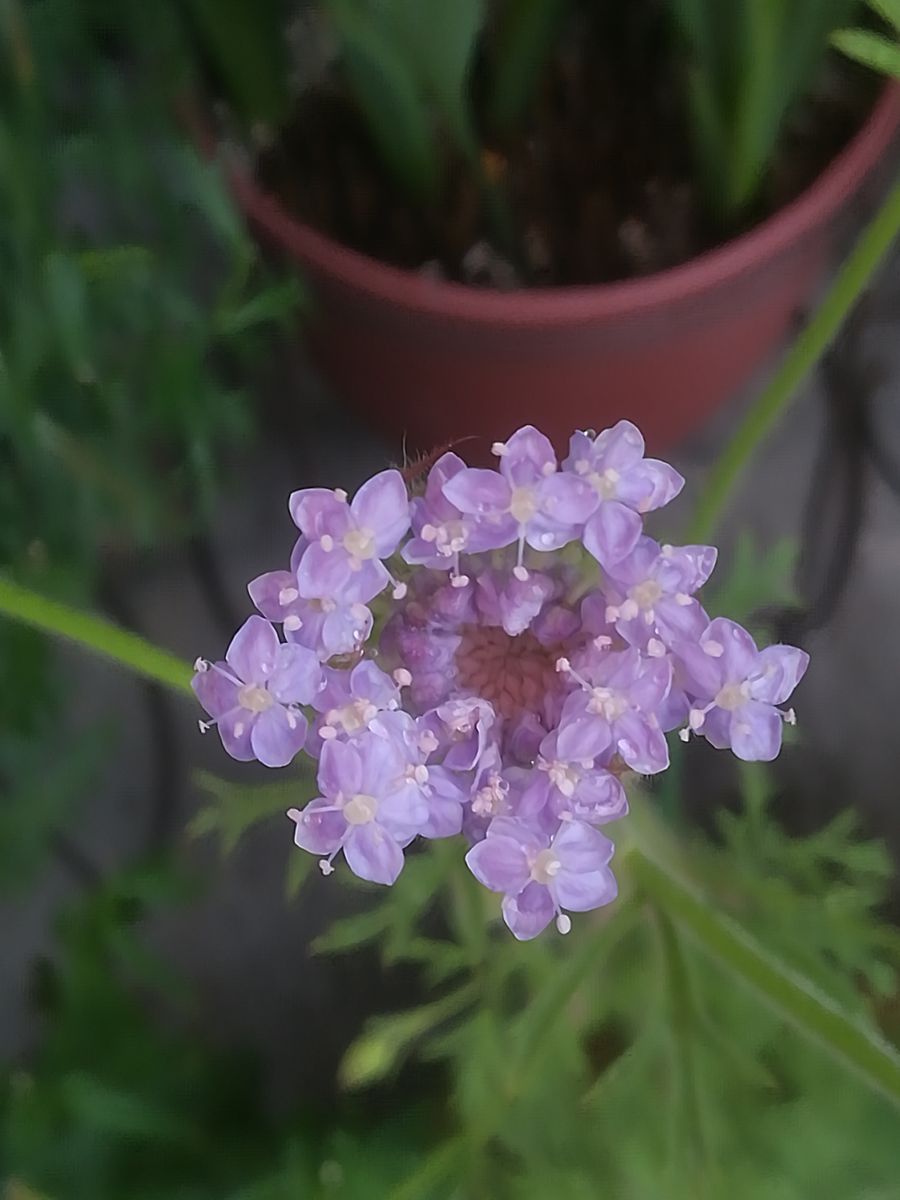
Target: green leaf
[[123, 1113], [386, 1040], [246, 40], [438, 42], [888, 10], [237, 807], [524, 39], [386, 89], [68, 303], [870, 49], [792, 996]]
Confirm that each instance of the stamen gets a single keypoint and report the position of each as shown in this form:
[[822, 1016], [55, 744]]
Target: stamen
[[326, 866], [655, 648], [402, 677], [564, 923], [201, 666], [287, 595], [499, 449], [292, 623], [326, 541]]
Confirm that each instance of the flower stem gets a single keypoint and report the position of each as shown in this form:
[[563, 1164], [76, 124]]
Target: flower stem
[[94, 633], [792, 996], [800, 359]]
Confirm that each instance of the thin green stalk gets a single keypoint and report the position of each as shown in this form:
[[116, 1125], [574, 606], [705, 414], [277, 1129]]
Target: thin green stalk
[[94, 633], [793, 997], [803, 355]]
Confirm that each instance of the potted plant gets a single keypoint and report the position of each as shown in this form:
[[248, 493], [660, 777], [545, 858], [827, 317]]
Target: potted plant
[[553, 212]]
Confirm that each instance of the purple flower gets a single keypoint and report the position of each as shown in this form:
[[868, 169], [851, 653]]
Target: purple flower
[[616, 707], [368, 808], [320, 624], [252, 695], [528, 501], [625, 483], [650, 594], [441, 532], [348, 541], [541, 877], [512, 683], [741, 686]]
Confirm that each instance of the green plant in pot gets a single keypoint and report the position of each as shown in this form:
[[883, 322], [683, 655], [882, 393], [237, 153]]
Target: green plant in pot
[[524, 211]]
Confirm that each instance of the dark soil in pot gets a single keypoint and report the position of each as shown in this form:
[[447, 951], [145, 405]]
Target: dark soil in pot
[[600, 179]]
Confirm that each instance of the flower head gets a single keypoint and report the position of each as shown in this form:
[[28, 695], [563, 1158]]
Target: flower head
[[515, 683]]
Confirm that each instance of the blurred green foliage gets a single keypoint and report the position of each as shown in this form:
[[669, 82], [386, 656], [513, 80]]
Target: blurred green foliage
[[132, 297], [876, 50]]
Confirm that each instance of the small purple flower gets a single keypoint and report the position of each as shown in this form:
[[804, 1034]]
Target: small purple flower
[[625, 483], [350, 700], [253, 695], [528, 501], [441, 532], [348, 541], [368, 808], [742, 686], [504, 599], [541, 877], [616, 707], [650, 594], [320, 624], [577, 790]]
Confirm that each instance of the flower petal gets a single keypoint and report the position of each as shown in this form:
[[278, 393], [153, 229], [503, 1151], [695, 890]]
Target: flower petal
[[372, 853], [277, 736], [382, 506], [528, 913], [777, 672], [756, 732], [297, 675], [584, 891], [253, 649], [478, 491], [340, 770], [612, 532], [318, 831], [215, 689], [499, 863]]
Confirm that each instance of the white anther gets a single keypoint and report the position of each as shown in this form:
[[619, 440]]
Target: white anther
[[696, 717], [287, 595], [499, 448], [790, 717], [629, 610], [548, 468], [611, 614], [340, 494], [683, 599], [428, 742], [684, 734], [204, 726], [292, 622], [712, 648], [326, 867], [655, 648], [562, 665], [326, 541], [420, 774], [667, 550], [201, 666], [602, 642], [399, 591], [402, 677], [327, 732], [521, 573], [459, 581], [429, 533], [564, 923]]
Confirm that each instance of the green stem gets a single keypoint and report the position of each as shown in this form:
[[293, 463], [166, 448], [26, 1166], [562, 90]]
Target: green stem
[[803, 355], [792, 996], [94, 633]]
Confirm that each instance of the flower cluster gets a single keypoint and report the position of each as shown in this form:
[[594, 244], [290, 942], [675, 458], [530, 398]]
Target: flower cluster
[[536, 646]]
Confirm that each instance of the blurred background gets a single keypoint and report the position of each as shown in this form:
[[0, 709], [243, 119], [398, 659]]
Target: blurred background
[[184, 341]]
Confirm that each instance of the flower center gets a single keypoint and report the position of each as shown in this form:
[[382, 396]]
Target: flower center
[[545, 867], [360, 543], [360, 809], [646, 594], [731, 696], [605, 484], [607, 704], [352, 717], [516, 674], [254, 697], [522, 504]]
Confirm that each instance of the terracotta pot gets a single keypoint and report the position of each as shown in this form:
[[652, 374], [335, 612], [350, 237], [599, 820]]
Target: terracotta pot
[[436, 361]]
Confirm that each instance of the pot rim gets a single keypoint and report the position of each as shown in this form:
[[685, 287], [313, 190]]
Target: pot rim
[[387, 284]]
